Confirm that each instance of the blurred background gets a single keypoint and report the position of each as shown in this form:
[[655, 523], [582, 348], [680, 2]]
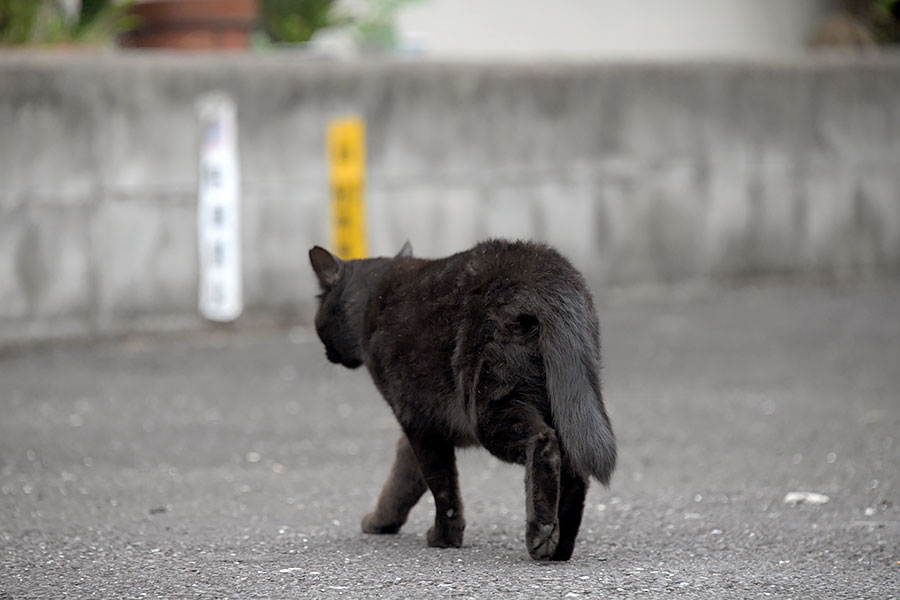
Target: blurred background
[[653, 142]]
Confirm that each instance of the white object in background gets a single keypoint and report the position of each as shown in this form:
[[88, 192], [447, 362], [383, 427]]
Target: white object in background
[[795, 498], [219, 210]]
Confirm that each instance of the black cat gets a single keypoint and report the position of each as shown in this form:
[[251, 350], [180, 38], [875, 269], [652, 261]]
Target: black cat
[[497, 346]]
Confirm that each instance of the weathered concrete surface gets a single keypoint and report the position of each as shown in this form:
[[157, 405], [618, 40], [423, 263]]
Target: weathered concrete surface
[[229, 466], [640, 172]]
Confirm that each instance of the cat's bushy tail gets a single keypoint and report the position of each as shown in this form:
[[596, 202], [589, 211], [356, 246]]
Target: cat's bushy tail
[[570, 344]]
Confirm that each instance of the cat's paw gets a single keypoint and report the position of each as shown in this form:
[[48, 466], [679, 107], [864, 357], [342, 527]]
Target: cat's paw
[[371, 524], [542, 540], [563, 552], [448, 536]]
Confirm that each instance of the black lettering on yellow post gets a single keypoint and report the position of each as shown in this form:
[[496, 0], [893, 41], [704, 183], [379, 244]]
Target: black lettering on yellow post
[[347, 166]]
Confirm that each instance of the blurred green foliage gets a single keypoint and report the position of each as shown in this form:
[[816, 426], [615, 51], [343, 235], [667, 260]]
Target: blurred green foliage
[[24, 22], [371, 22], [885, 18], [295, 21]]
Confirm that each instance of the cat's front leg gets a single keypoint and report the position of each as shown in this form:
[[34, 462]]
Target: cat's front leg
[[403, 488], [437, 460]]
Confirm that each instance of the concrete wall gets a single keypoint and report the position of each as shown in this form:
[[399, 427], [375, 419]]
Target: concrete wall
[[640, 172]]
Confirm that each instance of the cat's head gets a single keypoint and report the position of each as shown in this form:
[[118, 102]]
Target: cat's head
[[345, 289]]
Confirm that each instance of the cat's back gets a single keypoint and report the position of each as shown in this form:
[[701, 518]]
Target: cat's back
[[493, 279], [507, 270]]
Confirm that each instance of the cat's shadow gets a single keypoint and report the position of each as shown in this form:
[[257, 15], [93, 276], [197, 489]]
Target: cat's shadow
[[488, 547]]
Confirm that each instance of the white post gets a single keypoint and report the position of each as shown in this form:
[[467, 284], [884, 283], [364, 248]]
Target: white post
[[219, 210]]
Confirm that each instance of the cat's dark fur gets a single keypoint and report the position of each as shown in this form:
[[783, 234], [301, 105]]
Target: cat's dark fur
[[497, 346]]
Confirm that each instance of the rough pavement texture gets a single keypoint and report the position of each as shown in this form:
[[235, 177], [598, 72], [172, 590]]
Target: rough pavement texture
[[224, 466]]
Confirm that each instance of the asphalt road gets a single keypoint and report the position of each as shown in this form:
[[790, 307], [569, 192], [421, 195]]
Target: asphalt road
[[230, 465]]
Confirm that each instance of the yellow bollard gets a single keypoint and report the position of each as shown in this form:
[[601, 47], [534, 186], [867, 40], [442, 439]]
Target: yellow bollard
[[347, 173]]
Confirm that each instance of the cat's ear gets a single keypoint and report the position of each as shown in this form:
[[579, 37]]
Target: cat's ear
[[405, 251], [326, 265]]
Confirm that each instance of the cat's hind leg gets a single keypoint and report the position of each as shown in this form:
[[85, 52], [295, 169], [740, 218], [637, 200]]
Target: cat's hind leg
[[516, 432], [573, 489], [542, 474], [403, 488], [437, 460]]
